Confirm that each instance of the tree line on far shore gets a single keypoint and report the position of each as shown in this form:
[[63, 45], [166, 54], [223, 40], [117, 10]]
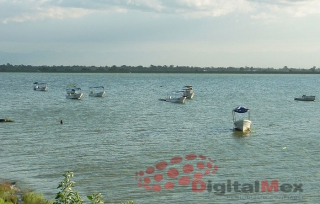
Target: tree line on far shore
[[156, 69]]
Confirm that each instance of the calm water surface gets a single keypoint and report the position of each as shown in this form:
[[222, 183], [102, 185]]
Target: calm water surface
[[105, 141]]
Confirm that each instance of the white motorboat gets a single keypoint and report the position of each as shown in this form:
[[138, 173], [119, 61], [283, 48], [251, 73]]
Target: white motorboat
[[40, 86], [74, 93], [175, 97], [305, 98], [189, 90], [97, 91], [241, 124]]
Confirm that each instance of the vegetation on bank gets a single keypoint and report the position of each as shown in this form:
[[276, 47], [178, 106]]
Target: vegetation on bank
[[10, 194], [157, 69]]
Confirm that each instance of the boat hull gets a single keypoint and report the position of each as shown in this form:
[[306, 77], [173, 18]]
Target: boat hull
[[190, 95], [242, 125], [74, 96], [100, 94], [41, 88], [175, 100], [5, 120], [188, 92], [306, 98]]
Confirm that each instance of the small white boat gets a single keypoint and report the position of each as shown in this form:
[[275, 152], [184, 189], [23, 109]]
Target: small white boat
[[74, 93], [40, 86], [175, 97], [241, 124], [305, 98], [97, 91], [189, 91]]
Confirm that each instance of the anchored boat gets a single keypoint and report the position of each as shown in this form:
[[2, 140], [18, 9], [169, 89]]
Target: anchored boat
[[241, 124], [305, 98], [40, 86], [175, 97], [97, 91], [189, 91], [74, 93]]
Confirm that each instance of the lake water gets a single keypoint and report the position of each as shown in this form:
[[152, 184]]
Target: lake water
[[106, 141]]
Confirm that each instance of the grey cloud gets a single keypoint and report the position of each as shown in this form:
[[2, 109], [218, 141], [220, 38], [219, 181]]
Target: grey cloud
[[40, 9], [277, 1], [166, 5]]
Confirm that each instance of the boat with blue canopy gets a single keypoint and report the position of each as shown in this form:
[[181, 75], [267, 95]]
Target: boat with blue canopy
[[244, 123], [74, 93]]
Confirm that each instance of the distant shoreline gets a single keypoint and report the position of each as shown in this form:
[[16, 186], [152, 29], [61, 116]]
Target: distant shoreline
[[155, 69]]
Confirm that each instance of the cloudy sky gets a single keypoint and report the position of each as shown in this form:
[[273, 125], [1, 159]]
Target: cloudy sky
[[205, 33]]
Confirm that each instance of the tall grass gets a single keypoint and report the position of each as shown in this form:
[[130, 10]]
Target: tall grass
[[34, 198]]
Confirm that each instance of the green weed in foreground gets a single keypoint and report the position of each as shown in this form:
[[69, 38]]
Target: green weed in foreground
[[34, 198], [7, 194], [66, 195], [2, 201], [95, 198]]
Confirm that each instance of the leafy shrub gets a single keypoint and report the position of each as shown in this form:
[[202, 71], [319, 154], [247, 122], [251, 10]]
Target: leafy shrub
[[67, 195], [95, 199]]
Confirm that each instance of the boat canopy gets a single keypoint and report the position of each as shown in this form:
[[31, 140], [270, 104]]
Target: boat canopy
[[241, 109], [96, 87], [74, 89], [37, 83], [177, 92]]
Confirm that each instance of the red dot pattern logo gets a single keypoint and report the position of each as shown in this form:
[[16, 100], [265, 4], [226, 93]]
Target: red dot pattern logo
[[177, 171]]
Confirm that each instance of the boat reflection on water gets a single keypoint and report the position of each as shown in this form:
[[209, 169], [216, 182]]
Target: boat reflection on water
[[241, 134]]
